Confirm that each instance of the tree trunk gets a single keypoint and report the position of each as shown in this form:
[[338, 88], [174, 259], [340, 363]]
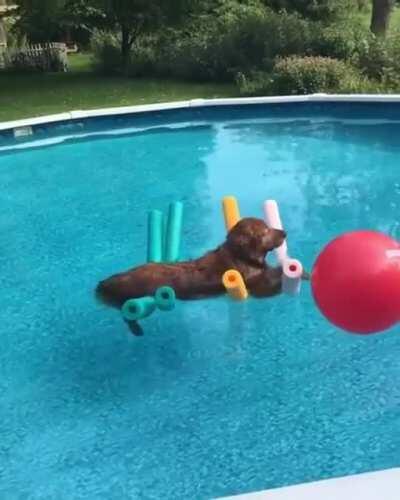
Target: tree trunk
[[380, 16], [126, 44], [3, 34]]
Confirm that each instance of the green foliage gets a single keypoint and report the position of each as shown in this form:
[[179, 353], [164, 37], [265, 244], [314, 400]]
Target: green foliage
[[192, 57], [229, 39], [372, 56], [273, 45], [144, 58], [379, 58], [130, 18], [317, 10], [40, 20], [307, 75], [106, 51], [214, 45], [256, 83], [301, 75], [339, 40], [288, 34], [237, 40]]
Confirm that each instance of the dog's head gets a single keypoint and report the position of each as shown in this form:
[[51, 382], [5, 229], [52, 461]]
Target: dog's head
[[251, 239]]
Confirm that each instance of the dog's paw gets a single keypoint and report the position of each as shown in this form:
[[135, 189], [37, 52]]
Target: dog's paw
[[135, 328]]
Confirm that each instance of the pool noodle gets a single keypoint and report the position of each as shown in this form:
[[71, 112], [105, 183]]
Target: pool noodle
[[231, 212], [135, 309], [273, 219], [173, 233], [291, 279], [235, 285], [165, 298], [155, 236], [292, 269]]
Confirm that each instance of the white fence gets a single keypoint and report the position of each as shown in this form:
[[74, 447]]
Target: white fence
[[45, 57]]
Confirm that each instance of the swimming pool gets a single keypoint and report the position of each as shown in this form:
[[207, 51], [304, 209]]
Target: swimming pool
[[216, 398]]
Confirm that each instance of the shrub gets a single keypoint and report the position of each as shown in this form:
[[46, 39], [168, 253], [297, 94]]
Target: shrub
[[257, 83], [216, 49], [144, 58], [285, 35], [106, 48], [379, 58], [306, 75], [191, 58], [302, 75], [339, 41], [213, 48]]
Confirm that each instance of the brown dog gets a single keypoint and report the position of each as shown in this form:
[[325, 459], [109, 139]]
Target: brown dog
[[245, 249]]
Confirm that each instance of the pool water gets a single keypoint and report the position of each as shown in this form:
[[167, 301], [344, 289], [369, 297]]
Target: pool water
[[217, 398]]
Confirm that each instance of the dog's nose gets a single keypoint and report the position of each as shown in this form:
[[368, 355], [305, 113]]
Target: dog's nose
[[282, 233]]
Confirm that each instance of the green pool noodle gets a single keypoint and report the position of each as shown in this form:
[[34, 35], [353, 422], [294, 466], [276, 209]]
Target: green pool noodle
[[155, 236], [135, 309], [173, 233], [165, 298], [164, 235]]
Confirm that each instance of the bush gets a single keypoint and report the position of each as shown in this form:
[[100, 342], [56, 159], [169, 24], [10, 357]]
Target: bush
[[216, 49], [307, 75], [144, 58], [106, 48], [285, 35], [379, 58], [256, 83], [193, 58], [246, 39], [339, 41], [302, 75]]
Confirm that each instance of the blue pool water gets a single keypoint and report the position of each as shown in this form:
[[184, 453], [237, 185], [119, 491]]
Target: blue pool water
[[216, 398]]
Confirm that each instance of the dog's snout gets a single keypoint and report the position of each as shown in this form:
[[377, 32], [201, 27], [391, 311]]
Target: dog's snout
[[279, 234]]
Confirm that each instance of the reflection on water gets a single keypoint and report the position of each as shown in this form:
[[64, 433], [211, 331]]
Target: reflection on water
[[315, 171]]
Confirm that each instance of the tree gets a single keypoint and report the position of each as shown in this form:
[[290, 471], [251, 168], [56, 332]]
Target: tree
[[49, 20], [130, 18], [380, 16], [40, 20]]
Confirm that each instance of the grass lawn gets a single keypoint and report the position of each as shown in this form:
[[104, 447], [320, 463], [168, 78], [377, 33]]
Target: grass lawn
[[23, 96]]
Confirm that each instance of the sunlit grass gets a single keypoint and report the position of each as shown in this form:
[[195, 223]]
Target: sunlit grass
[[28, 95]]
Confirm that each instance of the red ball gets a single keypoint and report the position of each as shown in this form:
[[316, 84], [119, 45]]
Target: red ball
[[356, 282]]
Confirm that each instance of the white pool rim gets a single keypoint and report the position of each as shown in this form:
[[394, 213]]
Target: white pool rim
[[195, 103]]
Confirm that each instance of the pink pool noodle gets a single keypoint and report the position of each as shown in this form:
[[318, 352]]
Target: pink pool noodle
[[292, 273], [292, 268], [272, 218]]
